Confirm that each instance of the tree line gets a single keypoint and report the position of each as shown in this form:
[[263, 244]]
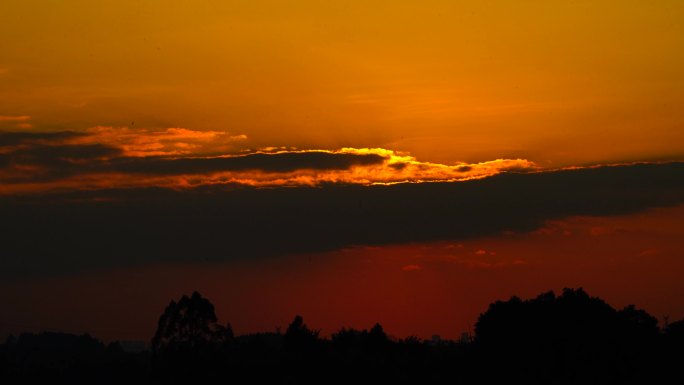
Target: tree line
[[571, 338]]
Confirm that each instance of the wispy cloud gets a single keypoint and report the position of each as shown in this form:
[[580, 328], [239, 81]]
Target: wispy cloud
[[14, 118], [15, 121], [175, 141], [411, 268]]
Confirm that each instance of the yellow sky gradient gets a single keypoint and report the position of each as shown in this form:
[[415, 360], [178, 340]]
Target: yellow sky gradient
[[555, 82]]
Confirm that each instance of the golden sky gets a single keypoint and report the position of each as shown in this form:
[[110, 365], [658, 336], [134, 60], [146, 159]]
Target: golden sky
[[555, 82]]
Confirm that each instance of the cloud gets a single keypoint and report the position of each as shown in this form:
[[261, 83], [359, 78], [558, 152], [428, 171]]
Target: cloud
[[50, 163], [473, 264], [10, 140], [649, 252], [138, 142], [182, 158], [269, 163], [84, 230], [175, 141], [14, 118], [18, 121], [411, 268]]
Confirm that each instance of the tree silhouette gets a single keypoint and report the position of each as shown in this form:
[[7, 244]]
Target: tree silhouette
[[189, 324], [299, 337], [676, 330], [574, 335]]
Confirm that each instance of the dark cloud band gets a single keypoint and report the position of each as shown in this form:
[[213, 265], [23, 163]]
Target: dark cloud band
[[279, 163], [8, 139], [51, 156], [61, 233]]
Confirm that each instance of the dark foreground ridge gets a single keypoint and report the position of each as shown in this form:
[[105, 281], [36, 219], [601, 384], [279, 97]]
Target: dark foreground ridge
[[572, 338]]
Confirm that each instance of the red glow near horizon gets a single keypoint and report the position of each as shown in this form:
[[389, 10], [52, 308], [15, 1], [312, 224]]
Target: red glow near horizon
[[417, 289]]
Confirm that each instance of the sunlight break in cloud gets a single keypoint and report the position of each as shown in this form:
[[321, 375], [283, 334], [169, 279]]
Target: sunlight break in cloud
[[395, 167], [122, 157]]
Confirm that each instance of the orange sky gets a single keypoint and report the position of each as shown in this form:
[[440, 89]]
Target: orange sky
[[557, 83], [118, 94]]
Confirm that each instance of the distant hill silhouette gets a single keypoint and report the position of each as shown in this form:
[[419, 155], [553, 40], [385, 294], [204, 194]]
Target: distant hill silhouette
[[571, 338], [56, 358]]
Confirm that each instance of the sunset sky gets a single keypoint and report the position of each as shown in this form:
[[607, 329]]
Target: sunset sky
[[401, 162]]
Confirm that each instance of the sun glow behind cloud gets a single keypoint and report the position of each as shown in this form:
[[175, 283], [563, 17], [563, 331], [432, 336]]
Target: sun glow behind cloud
[[395, 167], [121, 157]]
